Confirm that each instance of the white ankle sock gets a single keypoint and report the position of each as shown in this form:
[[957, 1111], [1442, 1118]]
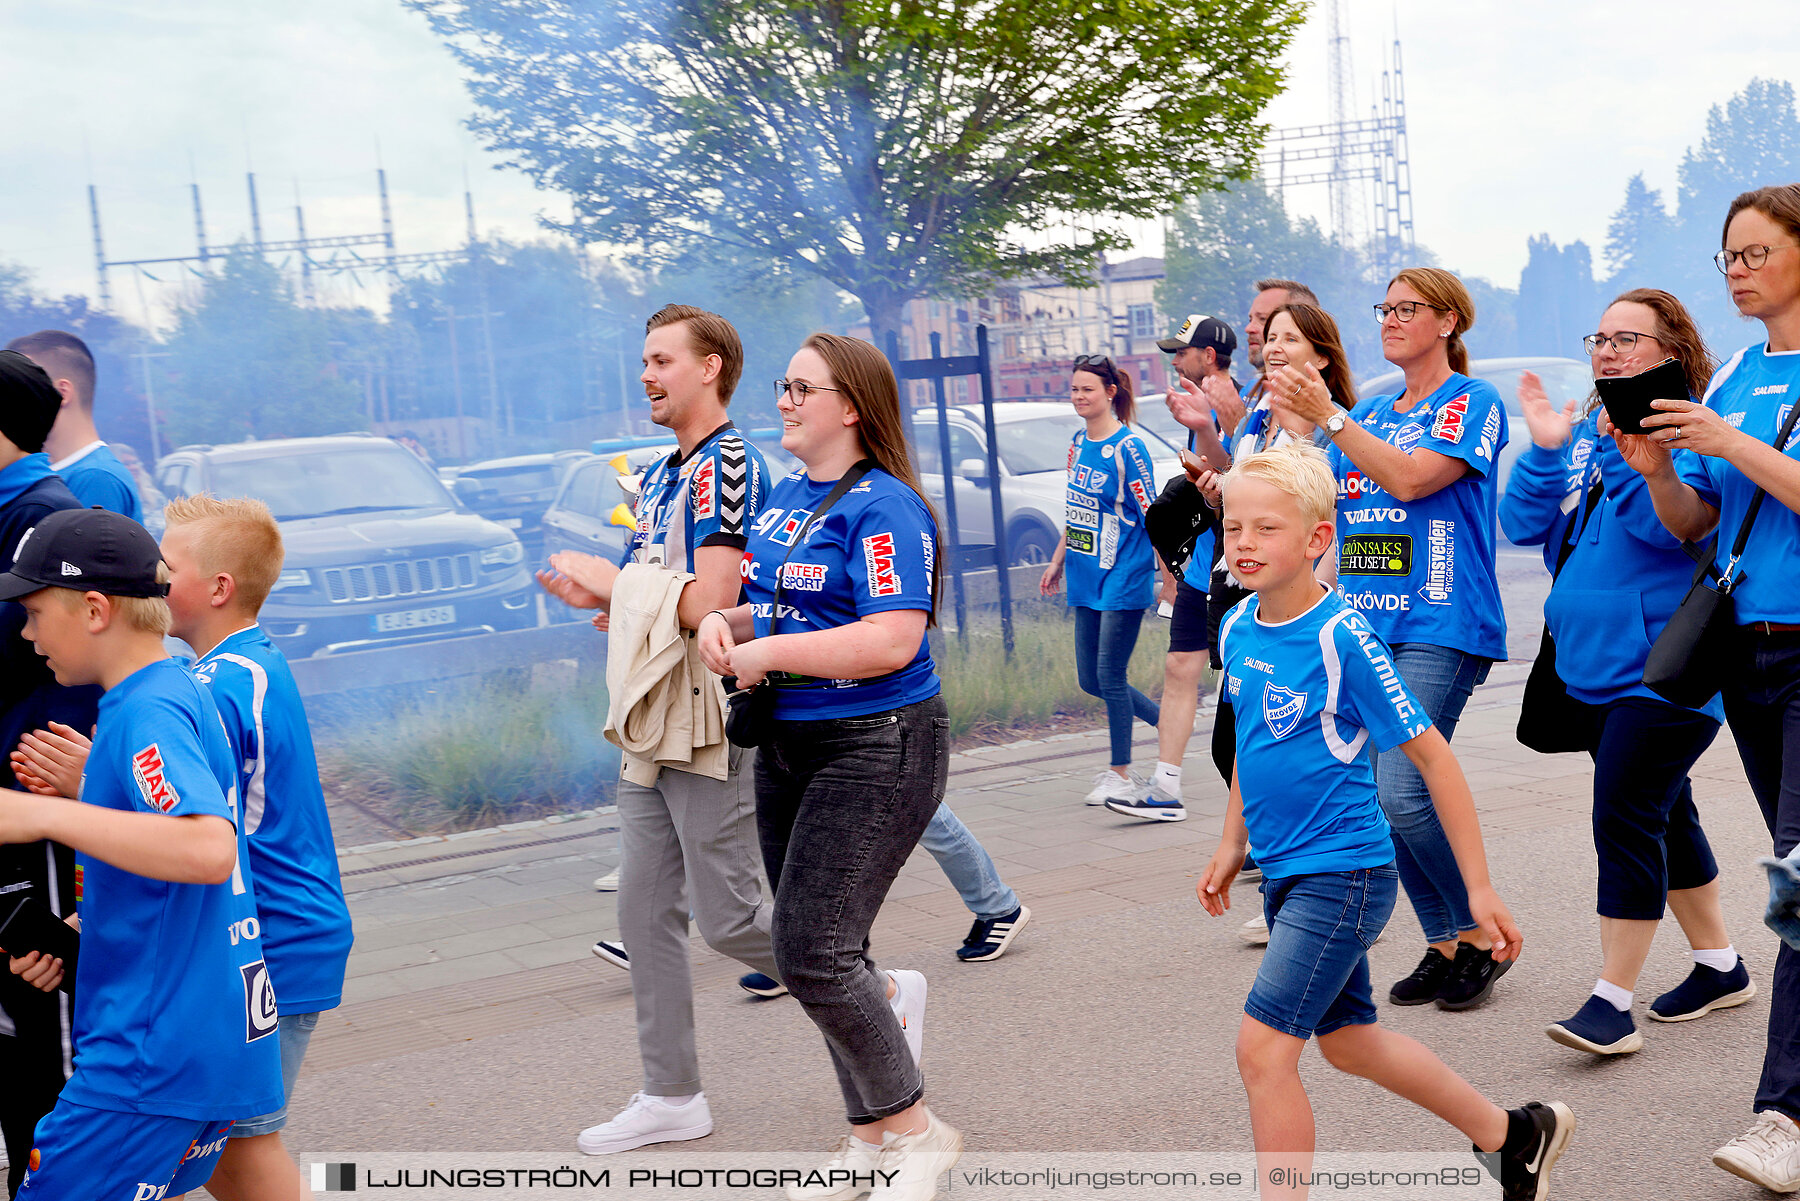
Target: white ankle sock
[[1718, 960], [1168, 777], [678, 1100], [1619, 998]]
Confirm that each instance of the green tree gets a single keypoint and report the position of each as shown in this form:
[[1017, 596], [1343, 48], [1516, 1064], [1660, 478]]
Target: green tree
[[1639, 238], [894, 148], [246, 361], [118, 403], [1558, 299]]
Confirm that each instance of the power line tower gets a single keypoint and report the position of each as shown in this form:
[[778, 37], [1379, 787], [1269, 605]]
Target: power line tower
[[1364, 161]]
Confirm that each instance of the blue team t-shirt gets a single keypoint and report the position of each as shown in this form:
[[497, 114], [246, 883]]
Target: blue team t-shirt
[[97, 477], [1423, 570], [872, 552], [306, 930], [1753, 391], [708, 498], [1109, 561], [1311, 694], [175, 1015]]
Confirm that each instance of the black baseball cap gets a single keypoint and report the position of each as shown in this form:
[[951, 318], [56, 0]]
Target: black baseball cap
[[1202, 331], [89, 550]]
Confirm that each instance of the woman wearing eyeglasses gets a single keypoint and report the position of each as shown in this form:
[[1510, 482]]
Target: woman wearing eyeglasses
[[1731, 436], [1112, 570], [856, 766], [1618, 577], [1416, 512]]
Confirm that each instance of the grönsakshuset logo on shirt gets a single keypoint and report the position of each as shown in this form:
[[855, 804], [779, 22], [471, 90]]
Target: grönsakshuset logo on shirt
[[152, 781], [1282, 709]]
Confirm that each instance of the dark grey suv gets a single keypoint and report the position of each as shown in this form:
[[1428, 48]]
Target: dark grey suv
[[378, 551]]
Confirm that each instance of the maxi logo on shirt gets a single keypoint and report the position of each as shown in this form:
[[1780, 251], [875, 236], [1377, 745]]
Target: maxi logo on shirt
[[878, 558], [147, 770]]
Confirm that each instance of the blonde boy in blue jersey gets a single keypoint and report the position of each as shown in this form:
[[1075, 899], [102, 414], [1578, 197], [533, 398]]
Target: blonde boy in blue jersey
[[1314, 687]]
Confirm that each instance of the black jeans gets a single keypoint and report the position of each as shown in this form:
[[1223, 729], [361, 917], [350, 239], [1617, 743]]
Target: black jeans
[[1646, 830], [1762, 706], [840, 804]]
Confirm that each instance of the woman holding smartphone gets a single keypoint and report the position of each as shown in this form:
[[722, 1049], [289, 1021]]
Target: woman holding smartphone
[[1731, 439], [1416, 558], [1618, 576], [860, 749], [1111, 570]]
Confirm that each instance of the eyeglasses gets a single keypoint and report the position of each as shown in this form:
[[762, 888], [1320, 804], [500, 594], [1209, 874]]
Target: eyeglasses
[[1086, 361], [1406, 310], [1754, 257], [800, 389], [1623, 341]]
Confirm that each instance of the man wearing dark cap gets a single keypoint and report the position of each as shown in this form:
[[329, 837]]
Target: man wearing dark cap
[[36, 1052]]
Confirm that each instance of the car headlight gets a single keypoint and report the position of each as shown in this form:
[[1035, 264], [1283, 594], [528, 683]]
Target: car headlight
[[504, 555], [293, 577]]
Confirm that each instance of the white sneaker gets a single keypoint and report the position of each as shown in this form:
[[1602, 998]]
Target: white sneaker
[[1255, 931], [908, 1004], [838, 1176], [918, 1160], [1208, 706], [648, 1120], [1109, 785], [608, 883], [1767, 1154]]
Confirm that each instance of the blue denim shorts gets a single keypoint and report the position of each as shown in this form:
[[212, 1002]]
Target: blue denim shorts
[[1315, 975], [295, 1032]]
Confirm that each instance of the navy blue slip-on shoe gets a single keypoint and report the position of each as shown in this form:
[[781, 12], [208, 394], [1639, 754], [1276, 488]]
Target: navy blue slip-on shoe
[[760, 985], [1599, 1029], [1705, 989]]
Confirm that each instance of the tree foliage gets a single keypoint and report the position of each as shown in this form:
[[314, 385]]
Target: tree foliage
[[894, 148], [118, 401]]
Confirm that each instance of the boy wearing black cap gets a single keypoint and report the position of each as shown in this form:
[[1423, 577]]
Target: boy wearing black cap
[[36, 1044], [174, 1012]]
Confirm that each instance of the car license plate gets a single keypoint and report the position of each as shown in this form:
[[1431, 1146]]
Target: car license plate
[[512, 523], [413, 619]]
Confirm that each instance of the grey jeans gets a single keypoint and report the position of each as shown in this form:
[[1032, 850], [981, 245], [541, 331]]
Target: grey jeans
[[686, 844], [840, 804]]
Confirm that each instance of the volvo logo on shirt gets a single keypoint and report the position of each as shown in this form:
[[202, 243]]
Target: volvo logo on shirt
[[1440, 562], [1282, 708], [1358, 516]]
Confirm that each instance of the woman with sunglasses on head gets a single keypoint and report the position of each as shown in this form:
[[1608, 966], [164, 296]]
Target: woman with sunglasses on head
[[1416, 556], [857, 758], [1731, 436], [1618, 576], [1112, 569]]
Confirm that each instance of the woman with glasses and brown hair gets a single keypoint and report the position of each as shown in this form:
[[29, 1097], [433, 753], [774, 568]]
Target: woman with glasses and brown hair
[[1111, 567], [1732, 439], [857, 757], [1416, 507], [1618, 576]]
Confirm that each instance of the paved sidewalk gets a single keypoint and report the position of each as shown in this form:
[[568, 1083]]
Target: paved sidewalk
[[476, 1020]]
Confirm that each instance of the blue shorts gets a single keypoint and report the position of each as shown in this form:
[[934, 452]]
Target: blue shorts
[[295, 1032], [84, 1154], [1315, 975]]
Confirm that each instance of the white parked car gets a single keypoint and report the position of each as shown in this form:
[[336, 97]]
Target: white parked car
[[1034, 455]]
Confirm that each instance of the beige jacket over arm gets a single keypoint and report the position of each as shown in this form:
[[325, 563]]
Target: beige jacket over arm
[[666, 709]]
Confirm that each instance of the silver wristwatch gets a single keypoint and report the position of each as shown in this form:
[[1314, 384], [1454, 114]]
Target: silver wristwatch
[[1334, 424]]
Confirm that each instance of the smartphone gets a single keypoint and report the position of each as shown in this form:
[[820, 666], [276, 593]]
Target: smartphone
[[1627, 397], [1192, 463], [30, 926]]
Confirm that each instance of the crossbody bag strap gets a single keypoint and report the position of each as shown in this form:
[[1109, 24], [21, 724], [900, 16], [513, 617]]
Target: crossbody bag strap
[[1573, 531], [831, 498], [1743, 534]]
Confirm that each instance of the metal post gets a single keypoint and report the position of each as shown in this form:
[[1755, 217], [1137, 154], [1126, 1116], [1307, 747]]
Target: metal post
[[256, 237], [306, 284], [387, 221], [99, 249], [953, 559], [200, 225], [462, 436], [1002, 559], [143, 357]]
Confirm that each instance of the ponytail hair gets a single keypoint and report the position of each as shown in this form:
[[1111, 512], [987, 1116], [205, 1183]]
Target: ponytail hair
[[1115, 377], [1445, 292]]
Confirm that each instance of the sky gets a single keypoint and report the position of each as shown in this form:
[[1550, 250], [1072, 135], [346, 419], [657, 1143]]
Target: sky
[[1525, 117]]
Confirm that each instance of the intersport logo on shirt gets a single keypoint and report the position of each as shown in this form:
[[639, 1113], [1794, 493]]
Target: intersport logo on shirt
[[152, 782], [878, 558]]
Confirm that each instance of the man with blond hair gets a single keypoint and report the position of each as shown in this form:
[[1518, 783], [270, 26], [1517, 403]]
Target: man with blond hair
[[687, 840]]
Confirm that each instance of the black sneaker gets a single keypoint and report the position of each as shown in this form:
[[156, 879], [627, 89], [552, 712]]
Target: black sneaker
[[1524, 1171], [989, 937], [1472, 978], [1705, 990], [1426, 982]]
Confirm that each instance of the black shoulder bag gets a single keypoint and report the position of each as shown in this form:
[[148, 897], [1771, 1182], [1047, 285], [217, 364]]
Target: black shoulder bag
[[750, 712], [1551, 721], [1687, 665]]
